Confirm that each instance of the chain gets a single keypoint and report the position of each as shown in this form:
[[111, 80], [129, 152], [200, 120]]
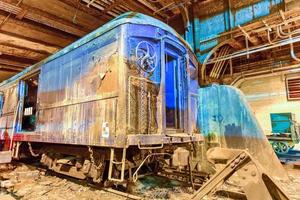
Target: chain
[[31, 150], [93, 159]]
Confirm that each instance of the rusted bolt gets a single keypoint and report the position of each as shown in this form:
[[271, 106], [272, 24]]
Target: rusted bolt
[[242, 156], [253, 173], [245, 169], [243, 177], [236, 161], [232, 165]]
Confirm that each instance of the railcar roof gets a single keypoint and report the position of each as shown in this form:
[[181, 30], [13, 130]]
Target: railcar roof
[[129, 17]]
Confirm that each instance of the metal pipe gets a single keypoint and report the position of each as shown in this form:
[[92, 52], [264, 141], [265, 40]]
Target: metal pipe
[[256, 49], [221, 65], [255, 31], [215, 75], [203, 68], [293, 55], [246, 76], [216, 65], [222, 53]]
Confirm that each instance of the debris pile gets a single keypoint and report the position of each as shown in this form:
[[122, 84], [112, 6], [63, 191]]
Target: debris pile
[[27, 183], [30, 183]]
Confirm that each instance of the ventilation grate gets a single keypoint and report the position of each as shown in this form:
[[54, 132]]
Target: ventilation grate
[[293, 88]]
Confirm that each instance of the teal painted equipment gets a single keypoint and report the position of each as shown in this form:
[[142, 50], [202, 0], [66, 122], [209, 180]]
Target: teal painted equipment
[[285, 131]]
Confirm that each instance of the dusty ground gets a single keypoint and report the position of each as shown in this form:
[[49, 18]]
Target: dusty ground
[[292, 188], [27, 183]]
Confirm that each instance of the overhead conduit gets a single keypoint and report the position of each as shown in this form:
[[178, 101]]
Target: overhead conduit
[[281, 38]]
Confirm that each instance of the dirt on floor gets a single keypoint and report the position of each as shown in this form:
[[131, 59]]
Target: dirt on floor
[[30, 183]]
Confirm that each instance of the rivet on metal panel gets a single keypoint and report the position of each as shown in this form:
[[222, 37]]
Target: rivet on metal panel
[[242, 156], [236, 161]]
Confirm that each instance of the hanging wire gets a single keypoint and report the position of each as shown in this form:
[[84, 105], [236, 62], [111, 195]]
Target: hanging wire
[[75, 15]]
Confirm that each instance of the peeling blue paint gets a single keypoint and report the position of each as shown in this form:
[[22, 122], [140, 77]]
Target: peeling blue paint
[[224, 111], [215, 25]]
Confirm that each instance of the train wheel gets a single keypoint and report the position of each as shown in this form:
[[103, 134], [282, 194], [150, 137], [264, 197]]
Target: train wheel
[[280, 147]]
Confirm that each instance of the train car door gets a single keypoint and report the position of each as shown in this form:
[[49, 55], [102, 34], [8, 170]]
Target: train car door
[[174, 88], [28, 89]]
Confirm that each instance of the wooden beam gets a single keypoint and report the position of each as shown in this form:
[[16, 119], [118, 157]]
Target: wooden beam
[[5, 75], [90, 10], [22, 53], [33, 32], [236, 44], [138, 7], [34, 16], [153, 8], [110, 7], [69, 15], [13, 63], [11, 68], [20, 42], [99, 6], [8, 70]]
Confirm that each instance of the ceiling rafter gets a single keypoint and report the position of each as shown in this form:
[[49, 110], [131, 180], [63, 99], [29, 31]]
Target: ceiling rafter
[[153, 8], [13, 63], [141, 8], [100, 6], [22, 29], [10, 68], [20, 42], [32, 15], [94, 12], [21, 52], [110, 7]]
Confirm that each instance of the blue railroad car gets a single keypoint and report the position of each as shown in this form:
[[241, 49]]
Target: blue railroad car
[[106, 102]]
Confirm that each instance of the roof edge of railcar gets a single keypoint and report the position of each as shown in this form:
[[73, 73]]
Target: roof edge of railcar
[[129, 17]]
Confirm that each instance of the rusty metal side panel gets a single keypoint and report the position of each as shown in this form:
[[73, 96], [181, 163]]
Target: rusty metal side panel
[[79, 93], [85, 74], [10, 99], [9, 106], [78, 124]]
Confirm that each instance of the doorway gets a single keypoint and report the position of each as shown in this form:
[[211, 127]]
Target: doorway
[[30, 91], [172, 90]]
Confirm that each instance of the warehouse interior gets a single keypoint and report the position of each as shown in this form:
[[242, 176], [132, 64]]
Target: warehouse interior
[[247, 55]]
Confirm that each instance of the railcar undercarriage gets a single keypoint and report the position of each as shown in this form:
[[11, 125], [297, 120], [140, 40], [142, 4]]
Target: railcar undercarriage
[[184, 162], [109, 166]]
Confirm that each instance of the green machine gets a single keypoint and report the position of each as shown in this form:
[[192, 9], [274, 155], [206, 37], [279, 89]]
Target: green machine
[[285, 131]]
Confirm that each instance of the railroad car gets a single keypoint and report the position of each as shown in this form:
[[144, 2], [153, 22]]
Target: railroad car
[[107, 104]]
